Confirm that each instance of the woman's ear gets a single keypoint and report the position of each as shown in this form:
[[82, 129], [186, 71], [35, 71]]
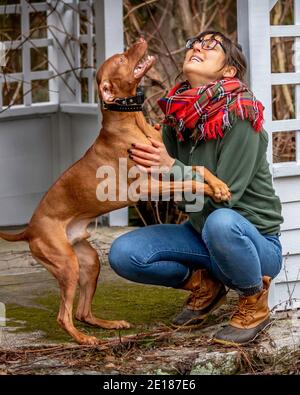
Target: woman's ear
[[105, 91], [229, 71]]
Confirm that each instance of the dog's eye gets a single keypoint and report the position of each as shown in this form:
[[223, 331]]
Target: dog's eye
[[122, 59]]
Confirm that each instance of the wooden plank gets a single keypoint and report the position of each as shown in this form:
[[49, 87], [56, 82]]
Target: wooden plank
[[285, 78], [34, 42], [291, 215], [82, 108], [290, 240], [90, 54], [34, 109], [83, 38], [288, 189], [26, 66], [41, 75], [13, 77], [83, 5], [61, 53], [38, 7], [285, 31], [285, 125], [40, 42], [76, 47], [52, 56], [10, 9]]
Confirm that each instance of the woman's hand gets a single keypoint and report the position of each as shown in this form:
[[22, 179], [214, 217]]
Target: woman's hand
[[147, 156]]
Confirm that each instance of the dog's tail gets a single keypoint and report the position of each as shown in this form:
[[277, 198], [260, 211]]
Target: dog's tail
[[14, 237]]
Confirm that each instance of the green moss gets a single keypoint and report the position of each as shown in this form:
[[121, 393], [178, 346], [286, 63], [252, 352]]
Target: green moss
[[143, 306]]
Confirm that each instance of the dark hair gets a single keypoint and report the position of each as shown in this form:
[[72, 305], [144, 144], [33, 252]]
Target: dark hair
[[233, 53]]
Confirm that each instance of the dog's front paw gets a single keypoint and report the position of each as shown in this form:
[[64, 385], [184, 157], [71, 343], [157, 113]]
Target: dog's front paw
[[221, 192], [88, 340], [120, 325]]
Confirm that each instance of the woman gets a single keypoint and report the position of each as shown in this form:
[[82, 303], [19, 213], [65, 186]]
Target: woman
[[212, 120]]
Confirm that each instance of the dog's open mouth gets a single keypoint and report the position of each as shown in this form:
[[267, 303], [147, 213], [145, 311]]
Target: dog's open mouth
[[143, 66]]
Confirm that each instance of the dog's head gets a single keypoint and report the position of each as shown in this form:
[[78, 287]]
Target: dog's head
[[120, 75]]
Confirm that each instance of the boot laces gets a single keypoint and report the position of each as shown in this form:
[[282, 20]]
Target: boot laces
[[198, 297], [244, 312]]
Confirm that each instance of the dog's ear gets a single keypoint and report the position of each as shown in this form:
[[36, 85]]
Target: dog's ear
[[105, 91]]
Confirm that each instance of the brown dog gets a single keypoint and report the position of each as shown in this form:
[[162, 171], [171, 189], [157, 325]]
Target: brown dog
[[57, 230]]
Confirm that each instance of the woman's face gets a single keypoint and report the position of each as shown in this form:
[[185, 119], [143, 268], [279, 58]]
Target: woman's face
[[202, 66]]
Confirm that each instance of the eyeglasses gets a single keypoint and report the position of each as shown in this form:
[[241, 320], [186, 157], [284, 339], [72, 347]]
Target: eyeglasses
[[207, 44]]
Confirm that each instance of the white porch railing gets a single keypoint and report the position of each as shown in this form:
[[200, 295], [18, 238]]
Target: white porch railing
[[68, 67]]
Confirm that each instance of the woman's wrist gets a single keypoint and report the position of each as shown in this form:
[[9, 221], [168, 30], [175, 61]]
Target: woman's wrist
[[171, 163]]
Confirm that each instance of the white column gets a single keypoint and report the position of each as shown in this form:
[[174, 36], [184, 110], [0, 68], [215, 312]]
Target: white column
[[297, 70], [61, 27], [254, 36], [63, 87], [90, 53], [110, 40], [109, 28], [26, 66]]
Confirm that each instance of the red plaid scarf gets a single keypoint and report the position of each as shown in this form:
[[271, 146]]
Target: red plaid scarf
[[207, 108]]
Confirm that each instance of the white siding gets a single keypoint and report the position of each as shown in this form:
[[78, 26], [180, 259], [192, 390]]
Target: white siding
[[33, 153], [291, 214], [288, 189], [291, 269], [289, 277]]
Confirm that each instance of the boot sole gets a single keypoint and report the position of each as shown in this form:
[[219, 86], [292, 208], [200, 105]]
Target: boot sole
[[233, 344], [204, 317]]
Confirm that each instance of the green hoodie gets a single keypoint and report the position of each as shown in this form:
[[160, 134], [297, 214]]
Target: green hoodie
[[239, 159]]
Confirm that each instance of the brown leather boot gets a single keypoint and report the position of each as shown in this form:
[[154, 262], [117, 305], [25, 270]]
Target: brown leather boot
[[207, 294], [250, 318]]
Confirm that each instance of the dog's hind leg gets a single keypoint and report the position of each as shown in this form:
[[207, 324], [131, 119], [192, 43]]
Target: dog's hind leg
[[58, 256], [89, 266]]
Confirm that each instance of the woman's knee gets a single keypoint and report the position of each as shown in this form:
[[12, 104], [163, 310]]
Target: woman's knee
[[119, 255], [219, 224]]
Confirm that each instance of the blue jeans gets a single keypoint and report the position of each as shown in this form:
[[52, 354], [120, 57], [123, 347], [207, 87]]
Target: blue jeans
[[230, 248]]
